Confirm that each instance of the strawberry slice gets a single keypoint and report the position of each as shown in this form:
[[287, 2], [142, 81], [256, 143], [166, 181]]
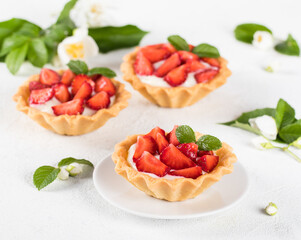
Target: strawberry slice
[[79, 80], [206, 75], [193, 172], [161, 141], [73, 107], [172, 138], [34, 85], [155, 53], [61, 92], [153, 133], [172, 157], [187, 56], [207, 162], [84, 91], [144, 143], [99, 100], [67, 77], [172, 62], [169, 47], [202, 153], [142, 65], [212, 61], [148, 163], [40, 96], [189, 150], [105, 84], [177, 76], [195, 65], [49, 77]]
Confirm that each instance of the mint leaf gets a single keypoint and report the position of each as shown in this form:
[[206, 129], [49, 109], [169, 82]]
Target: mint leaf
[[103, 71], [78, 67], [12, 42], [209, 143], [30, 30], [185, 134], [245, 32], [291, 132], [15, 58], [285, 114], [206, 50], [44, 175], [37, 53], [69, 160], [288, 47], [178, 42], [112, 38], [64, 15], [10, 26]]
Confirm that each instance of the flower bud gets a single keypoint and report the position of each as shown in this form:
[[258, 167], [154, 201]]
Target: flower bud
[[271, 209], [263, 40], [74, 169], [63, 174], [266, 125]]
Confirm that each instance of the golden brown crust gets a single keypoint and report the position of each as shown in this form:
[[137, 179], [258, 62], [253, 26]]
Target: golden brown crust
[[178, 189], [173, 97], [71, 125]]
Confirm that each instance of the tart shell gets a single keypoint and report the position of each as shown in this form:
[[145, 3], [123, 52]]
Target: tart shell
[[173, 97], [178, 189], [71, 125]]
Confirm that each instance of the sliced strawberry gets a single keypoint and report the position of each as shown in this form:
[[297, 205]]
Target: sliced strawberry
[[73, 107], [142, 65], [144, 143], [172, 157], [202, 153], [195, 65], [155, 53], [49, 77], [148, 163], [192, 172], [207, 162], [169, 47], [61, 92], [191, 47], [172, 138], [212, 61], [187, 56], [153, 133], [105, 84], [79, 80], [99, 100], [189, 150], [206, 75], [172, 62], [161, 141], [84, 91], [40, 96], [67, 77], [177, 76], [34, 85]]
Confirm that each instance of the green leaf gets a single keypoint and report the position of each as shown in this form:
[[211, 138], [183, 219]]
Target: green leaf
[[78, 67], [209, 143], [103, 71], [12, 42], [245, 32], [10, 26], [45, 175], [15, 58], [291, 132], [285, 114], [30, 30], [178, 42], [37, 53], [206, 50], [69, 160], [66, 11], [288, 47], [112, 38], [185, 134]]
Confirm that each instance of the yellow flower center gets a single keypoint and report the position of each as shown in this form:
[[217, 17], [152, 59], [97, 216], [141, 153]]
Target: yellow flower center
[[259, 38], [75, 50], [95, 8]]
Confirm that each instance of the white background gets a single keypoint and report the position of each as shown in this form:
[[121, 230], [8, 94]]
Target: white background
[[74, 210]]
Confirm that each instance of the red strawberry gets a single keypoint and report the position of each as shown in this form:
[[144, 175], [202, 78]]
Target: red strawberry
[[172, 138], [172, 62], [177, 76], [34, 85], [193, 172], [169, 47], [144, 143], [191, 47], [207, 162], [49, 77], [73, 107], [105, 84], [99, 100], [148, 163], [84, 91], [195, 65], [161, 141], [202, 153], [61, 92], [153, 133], [206, 75], [155, 53], [142, 65], [187, 56], [79, 80], [40, 96], [172, 157], [67, 77], [189, 150], [212, 61]]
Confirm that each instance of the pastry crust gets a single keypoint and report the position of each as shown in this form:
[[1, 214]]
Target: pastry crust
[[173, 97], [71, 125], [178, 189]]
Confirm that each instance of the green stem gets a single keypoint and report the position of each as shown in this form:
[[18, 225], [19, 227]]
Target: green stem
[[285, 149]]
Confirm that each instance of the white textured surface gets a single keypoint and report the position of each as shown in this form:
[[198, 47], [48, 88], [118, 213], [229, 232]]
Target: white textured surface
[[73, 209]]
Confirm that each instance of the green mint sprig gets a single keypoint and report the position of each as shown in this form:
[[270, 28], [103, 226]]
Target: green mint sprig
[[185, 134]]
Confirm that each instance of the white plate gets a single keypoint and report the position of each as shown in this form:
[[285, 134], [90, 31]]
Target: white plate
[[119, 192]]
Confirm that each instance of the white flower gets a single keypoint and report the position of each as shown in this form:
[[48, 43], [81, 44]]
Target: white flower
[[261, 143], [274, 66], [74, 169], [263, 40], [79, 46], [266, 125], [271, 209], [63, 174]]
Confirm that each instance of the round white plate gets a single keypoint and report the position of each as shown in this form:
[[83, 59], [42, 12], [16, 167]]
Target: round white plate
[[119, 192]]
